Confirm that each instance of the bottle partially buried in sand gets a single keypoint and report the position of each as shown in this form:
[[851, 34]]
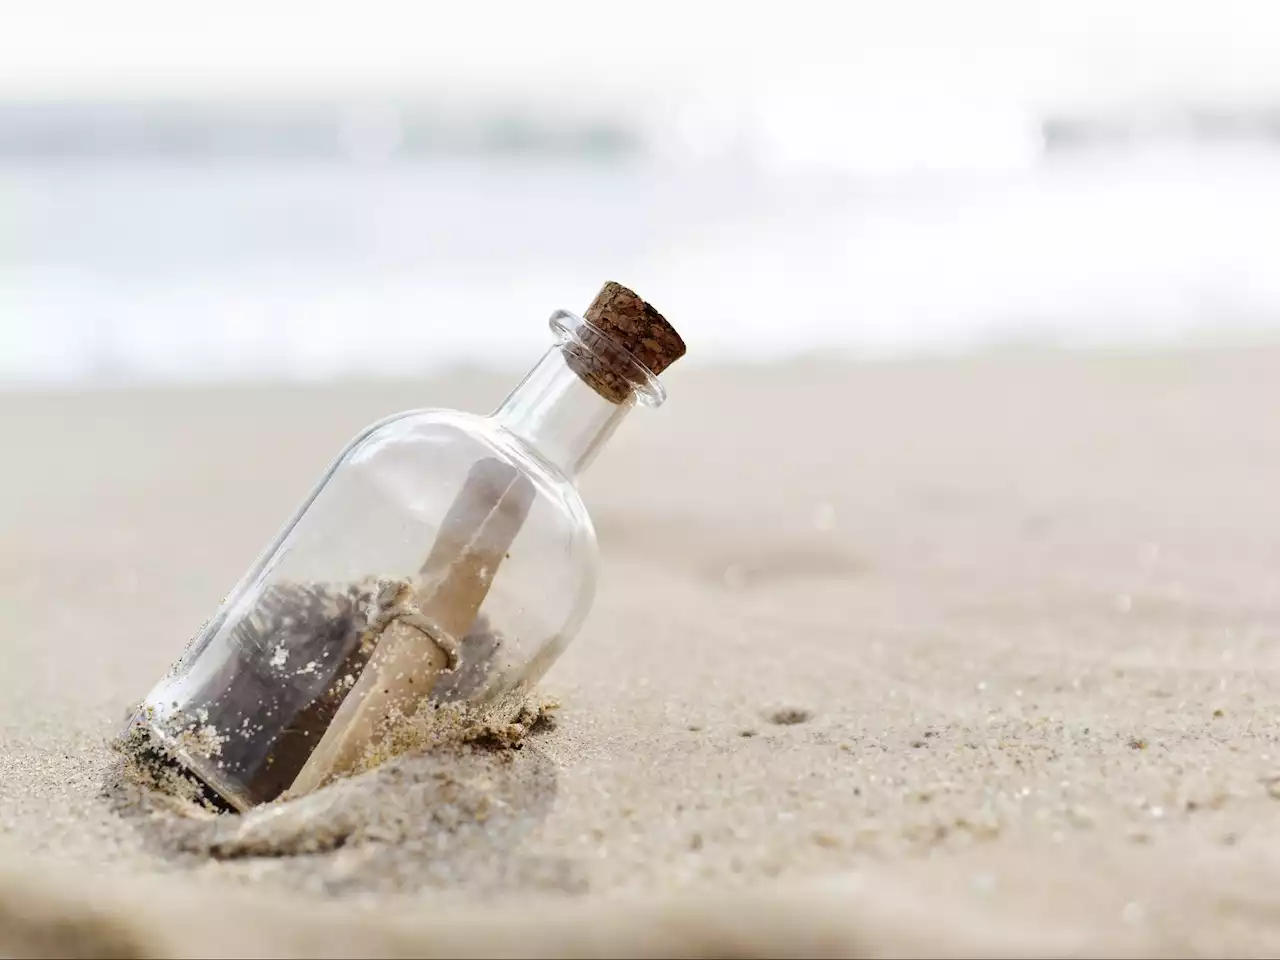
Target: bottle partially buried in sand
[[444, 558]]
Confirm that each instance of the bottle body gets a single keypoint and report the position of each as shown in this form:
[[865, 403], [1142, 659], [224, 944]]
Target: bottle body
[[439, 559]]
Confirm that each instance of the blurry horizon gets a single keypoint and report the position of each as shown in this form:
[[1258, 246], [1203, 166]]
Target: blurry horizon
[[287, 189]]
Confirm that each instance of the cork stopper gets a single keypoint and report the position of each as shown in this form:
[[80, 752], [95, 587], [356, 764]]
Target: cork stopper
[[623, 330]]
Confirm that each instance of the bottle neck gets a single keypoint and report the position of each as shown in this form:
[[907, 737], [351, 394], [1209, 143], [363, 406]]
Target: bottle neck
[[560, 416], [570, 404]]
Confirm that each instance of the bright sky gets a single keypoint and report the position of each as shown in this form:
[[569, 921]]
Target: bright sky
[[986, 50]]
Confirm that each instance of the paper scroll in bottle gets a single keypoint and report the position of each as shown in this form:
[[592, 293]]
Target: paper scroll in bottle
[[422, 642]]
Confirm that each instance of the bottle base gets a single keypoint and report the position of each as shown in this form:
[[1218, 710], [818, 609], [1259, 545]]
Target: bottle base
[[153, 750]]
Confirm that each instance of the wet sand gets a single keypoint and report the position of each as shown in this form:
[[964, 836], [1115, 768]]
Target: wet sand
[[963, 656]]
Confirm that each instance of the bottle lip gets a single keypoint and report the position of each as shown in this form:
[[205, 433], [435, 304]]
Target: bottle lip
[[570, 327]]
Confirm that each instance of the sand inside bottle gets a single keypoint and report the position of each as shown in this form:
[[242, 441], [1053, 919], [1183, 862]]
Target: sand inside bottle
[[320, 670]]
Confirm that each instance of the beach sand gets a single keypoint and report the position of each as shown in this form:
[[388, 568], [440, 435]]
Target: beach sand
[[974, 656]]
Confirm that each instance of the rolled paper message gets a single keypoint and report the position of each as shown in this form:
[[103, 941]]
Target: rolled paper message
[[422, 641]]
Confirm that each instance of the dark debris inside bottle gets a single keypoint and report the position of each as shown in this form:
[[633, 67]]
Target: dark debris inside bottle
[[298, 653]]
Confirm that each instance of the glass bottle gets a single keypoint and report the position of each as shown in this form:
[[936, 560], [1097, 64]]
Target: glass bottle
[[443, 557]]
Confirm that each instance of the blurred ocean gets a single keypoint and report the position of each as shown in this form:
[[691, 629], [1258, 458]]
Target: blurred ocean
[[149, 265]]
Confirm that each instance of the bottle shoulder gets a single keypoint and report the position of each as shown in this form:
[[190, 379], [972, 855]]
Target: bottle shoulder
[[423, 419], [459, 434]]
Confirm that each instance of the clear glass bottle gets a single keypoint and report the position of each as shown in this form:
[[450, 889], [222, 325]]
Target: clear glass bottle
[[443, 556]]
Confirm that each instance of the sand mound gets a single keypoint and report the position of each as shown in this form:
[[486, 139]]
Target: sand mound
[[442, 804]]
